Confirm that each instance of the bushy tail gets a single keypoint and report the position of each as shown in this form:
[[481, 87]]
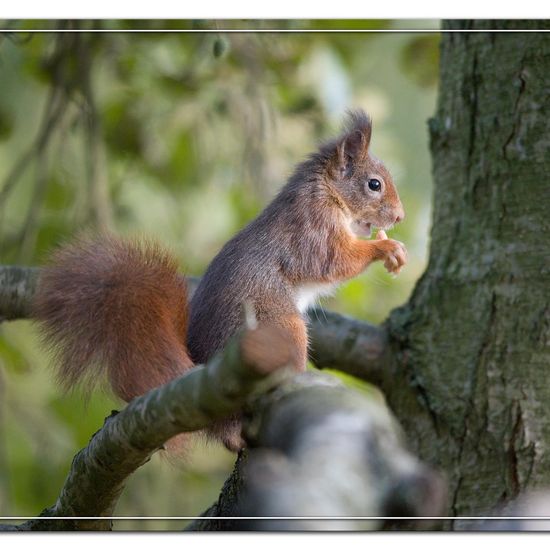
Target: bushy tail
[[118, 306]]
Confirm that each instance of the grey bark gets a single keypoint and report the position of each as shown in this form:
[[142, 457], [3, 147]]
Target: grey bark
[[352, 346], [317, 448], [17, 286]]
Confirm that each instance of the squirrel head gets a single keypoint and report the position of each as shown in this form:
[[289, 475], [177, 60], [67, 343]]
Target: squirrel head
[[359, 181]]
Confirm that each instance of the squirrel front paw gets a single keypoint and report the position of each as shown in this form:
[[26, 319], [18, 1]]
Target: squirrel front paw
[[392, 253]]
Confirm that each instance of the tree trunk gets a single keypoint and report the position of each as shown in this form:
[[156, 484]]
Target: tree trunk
[[469, 379]]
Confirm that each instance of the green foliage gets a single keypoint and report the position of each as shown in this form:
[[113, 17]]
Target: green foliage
[[358, 384], [196, 132], [6, 124], [420, 59], [221, 45]]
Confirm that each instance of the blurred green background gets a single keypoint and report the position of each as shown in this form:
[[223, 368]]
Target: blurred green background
[[183, 137]]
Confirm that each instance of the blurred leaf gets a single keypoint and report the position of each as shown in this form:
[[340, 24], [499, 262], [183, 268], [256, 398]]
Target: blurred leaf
[[11, 357], [221, 45], [50, 233], [420, 59], [358, 384], [35, 476], [182, 164], [297, 101], [350, 24], [6, 123], [91, 413], [244, 204], [59, 195], [122, 128]]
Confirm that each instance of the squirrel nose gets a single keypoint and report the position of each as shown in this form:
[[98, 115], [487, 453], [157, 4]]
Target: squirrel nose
[[400, 215]]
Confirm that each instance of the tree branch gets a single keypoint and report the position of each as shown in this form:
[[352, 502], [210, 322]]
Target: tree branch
[[129, 438], [318, 448], [352, 346], [17, 286], [96, 168]]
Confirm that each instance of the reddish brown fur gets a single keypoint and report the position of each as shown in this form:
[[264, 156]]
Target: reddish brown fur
[[114, 305], [294, 328]]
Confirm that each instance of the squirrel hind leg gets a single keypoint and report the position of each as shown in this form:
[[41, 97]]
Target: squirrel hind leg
[[294, 330]]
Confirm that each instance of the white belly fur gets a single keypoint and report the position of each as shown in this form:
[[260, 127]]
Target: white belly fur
[[306, 295]]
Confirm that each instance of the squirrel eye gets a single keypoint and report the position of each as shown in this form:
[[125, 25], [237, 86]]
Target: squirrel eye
[[374, 185]]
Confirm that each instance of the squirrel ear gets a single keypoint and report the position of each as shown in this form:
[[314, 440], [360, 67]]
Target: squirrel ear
[[357, 133], [354, 144]]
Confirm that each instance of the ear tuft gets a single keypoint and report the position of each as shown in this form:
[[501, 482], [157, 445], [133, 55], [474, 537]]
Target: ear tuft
[[357, 134], [350, 150]]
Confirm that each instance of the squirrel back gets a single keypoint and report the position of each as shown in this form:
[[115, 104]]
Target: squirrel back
[[114, 305]]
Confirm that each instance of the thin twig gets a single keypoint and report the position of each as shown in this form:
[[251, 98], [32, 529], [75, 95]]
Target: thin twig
[[36, 155], [50, 118], [96, 167]]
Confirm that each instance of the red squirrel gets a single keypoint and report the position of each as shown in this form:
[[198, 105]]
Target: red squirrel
[[108, 303]]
